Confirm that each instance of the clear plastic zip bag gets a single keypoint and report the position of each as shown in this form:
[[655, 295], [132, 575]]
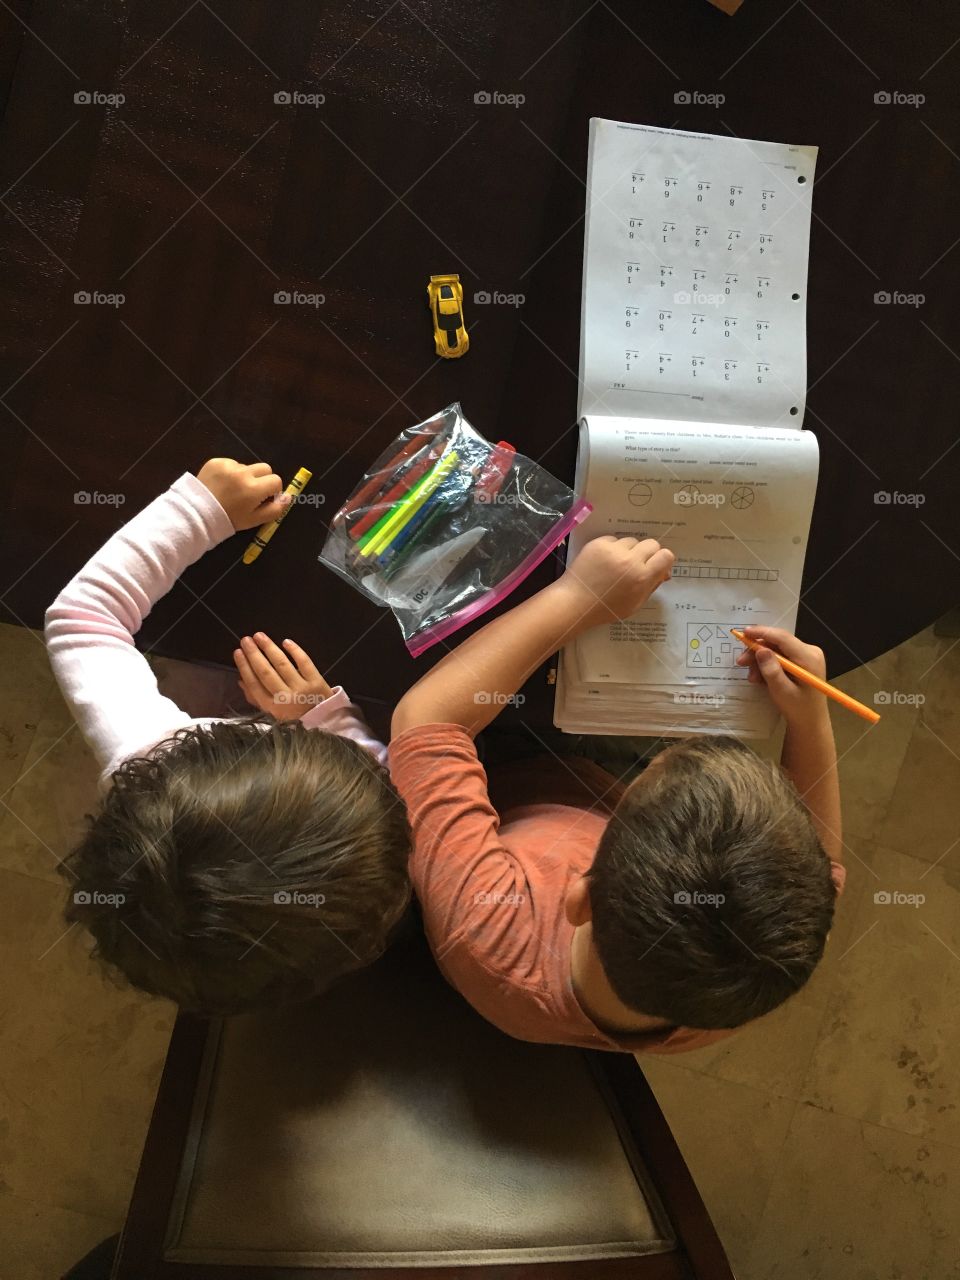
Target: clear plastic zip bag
[[445, 525]]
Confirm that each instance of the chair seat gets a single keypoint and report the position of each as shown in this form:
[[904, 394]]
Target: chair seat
[[386, 1125]]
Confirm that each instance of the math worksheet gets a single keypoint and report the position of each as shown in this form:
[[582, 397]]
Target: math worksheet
[[692, 391], [695, 276], [734, 506]]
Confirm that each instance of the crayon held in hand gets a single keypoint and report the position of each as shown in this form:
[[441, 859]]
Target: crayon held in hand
[[808, 678], [266, 531]]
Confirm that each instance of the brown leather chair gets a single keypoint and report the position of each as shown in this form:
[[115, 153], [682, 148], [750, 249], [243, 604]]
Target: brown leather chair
[[385, 1130]]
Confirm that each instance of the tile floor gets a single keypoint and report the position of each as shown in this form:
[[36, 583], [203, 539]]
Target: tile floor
[[826, 1141]]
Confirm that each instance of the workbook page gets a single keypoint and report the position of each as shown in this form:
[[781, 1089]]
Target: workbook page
[[695, 276], [734, 506]]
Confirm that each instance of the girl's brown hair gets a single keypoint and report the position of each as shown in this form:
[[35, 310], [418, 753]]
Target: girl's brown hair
[[242, 865]]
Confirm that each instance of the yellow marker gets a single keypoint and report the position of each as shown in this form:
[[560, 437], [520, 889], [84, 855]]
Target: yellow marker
[[406, 509], [266, 531]]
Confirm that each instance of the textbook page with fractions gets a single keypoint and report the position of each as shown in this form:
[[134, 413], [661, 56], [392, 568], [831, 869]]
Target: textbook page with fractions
[[734, 505], [695, 276]]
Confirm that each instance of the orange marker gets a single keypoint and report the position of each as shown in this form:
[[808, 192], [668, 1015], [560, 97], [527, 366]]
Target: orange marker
[[807, 677]]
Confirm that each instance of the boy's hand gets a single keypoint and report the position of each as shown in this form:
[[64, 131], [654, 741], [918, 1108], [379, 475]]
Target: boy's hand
[[792, 699], [285, 684], [612, 577], [250, 495]]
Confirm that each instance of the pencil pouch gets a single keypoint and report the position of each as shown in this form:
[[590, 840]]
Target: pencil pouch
[[445, 525]]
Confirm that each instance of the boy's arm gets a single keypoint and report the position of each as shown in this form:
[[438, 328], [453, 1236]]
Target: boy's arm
[[610, 579], [810, 758], [107, 683], [809, 755]]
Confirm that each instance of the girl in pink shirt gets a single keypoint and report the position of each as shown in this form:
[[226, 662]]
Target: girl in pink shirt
[[233, 863]]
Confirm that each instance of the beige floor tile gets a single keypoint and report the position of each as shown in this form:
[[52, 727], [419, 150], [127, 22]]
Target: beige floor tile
[[43, 812], [853, 1201], [82, 1059], [923, 818], [26, 686], [871, 755], [889, 1049], [772, 1054], [730, 1137], [40, 1242]]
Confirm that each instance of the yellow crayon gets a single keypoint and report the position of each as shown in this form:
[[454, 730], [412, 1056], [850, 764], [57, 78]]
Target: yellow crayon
[[266, 531]]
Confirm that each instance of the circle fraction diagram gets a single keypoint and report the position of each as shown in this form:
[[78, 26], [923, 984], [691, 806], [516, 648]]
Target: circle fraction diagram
[[687, 496], [639, 494], [742, 497]]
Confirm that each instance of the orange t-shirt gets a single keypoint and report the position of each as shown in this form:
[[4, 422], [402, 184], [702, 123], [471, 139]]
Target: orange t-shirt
[[492, 884]]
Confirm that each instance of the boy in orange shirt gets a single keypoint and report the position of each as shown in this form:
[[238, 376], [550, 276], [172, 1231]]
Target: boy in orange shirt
[[569, 908]]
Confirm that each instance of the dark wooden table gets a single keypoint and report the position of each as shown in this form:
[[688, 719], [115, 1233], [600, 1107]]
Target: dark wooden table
[[199, 197]]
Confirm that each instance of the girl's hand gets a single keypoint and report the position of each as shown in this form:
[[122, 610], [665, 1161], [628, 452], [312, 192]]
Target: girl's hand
[[283, 682], [250, 495]]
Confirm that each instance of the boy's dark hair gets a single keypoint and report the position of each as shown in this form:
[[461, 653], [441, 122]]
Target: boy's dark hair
[[711, 894], [240, 866]]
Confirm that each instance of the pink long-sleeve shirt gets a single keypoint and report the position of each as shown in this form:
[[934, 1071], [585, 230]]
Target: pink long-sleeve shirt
[[90, 627]]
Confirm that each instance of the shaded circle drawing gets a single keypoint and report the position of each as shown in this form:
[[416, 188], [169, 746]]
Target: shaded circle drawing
[[639, 494], [742, 496]]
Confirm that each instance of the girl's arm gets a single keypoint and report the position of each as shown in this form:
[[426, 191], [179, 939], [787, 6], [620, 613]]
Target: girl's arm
[[108, 685]]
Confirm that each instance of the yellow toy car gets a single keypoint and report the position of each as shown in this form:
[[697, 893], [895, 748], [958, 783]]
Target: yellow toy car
[[445, 300]]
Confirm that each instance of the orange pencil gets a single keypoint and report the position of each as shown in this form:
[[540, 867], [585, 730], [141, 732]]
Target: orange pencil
[[807, 677]]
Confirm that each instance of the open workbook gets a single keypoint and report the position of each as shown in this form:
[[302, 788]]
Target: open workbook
[[692, 385]]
